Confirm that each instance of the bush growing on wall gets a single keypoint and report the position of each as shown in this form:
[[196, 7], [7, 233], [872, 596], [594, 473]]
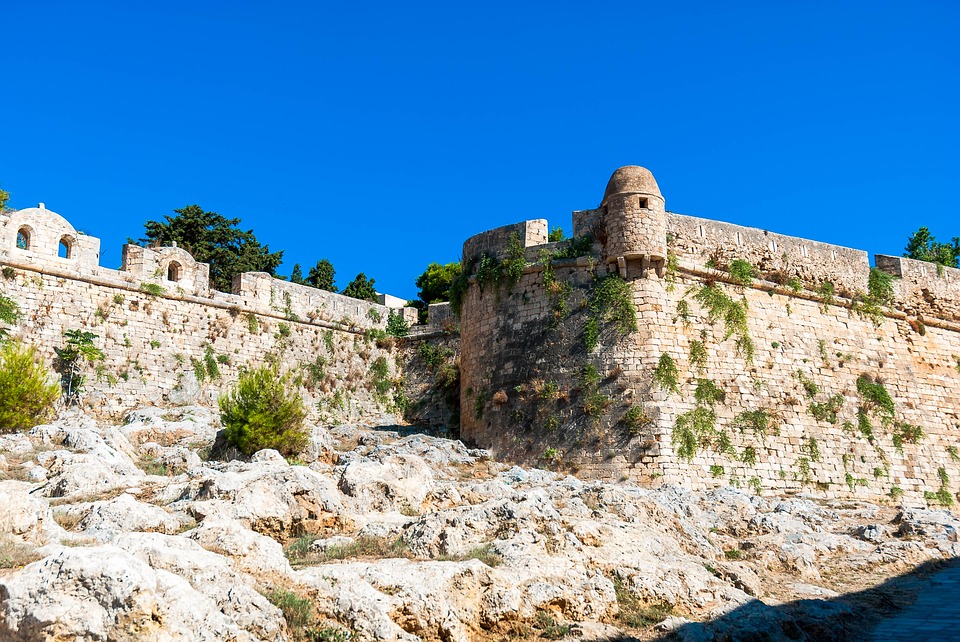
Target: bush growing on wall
[[26, 393], [259, 412]]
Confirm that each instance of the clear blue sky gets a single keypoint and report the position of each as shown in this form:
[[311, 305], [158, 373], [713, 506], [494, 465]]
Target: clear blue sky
[[381, 135]]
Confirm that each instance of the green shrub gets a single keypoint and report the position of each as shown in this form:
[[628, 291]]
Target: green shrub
[[489, 271], [811, 449], [516, 260], [742, 272], [635, 419], [826, 291], [828, 410], [78, 348], [810, 388], [759, 421], [397, 325], [26, 394], [152, 289], [720, 306], [9, 313], [693, 429], [905, 433], [875, 396], [297, 611], [259, 412]]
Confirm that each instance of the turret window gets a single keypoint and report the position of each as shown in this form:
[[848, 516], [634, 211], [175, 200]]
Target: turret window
[[65, 249], [643, 203], [23, 239]]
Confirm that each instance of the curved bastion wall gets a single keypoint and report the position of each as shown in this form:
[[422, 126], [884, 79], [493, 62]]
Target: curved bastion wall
[[169, 338], [771, 384]]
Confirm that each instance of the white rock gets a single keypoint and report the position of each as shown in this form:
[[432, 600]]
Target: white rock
[[123, 514], [26, 515], [106, 593], [250, 552], [395, 482], [272, 498], [211, 575]]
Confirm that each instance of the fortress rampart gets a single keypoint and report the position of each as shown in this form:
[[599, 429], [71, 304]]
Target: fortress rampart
[[168, 337], [768, 383]]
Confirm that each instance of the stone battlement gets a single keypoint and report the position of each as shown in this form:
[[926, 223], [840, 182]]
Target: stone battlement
[[714, 381], [41, 240]]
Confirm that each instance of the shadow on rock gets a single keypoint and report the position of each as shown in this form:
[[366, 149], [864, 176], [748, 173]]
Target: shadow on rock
[[850, 617]]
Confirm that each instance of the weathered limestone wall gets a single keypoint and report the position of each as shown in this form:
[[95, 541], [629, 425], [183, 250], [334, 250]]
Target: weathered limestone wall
[[791, 417], [800, 341], [777, 256], [156, 345], [524, 393], [169, 338], [924, 290], [495, 241], [430, 363]]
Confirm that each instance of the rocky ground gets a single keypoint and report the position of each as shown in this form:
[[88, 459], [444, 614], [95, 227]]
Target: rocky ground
[[130, 532]]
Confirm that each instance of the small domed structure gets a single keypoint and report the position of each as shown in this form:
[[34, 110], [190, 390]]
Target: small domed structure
[[36, 233], [632, 179], [634, 218]]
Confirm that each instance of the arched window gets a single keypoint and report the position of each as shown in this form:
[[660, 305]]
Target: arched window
[[66, 248], [174, 271], [23, 239]]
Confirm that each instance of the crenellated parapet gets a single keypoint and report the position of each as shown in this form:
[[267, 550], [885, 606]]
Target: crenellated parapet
[[777, 257], [43, 241], [496, 241], [924, 289], [170, 267]]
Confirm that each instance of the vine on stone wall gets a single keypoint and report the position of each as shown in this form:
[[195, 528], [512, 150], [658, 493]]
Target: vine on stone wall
[[610, 305], [665, 374], [879, 294], [693, 429], [720, 306]]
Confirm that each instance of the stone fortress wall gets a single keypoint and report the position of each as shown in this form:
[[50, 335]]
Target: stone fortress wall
[[791, 417], [169, 338]]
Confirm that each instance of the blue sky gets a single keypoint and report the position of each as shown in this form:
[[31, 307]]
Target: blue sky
[[382, 135]]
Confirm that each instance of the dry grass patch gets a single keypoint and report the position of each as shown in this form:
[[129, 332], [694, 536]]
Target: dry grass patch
[[637, 614], [300, 554], [69, 519], [15, 554], [485, 553], [89, 498]]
